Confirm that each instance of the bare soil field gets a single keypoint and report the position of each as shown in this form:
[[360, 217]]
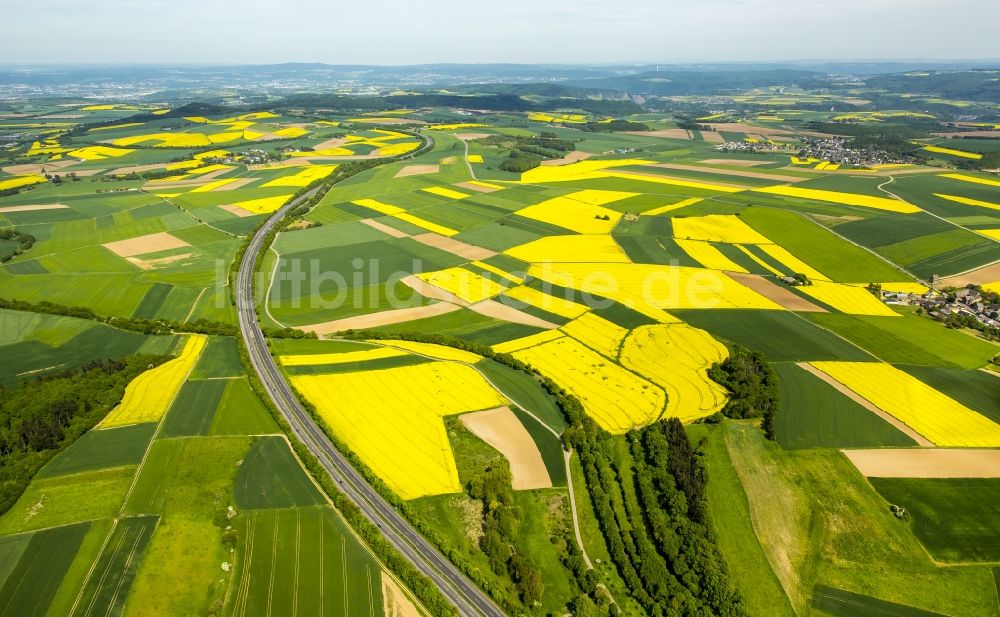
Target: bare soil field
[[392, 231], [38, 168], [153, 264], [333, 142], [33, 207], [417, 170], [496, 310], [136, 169], [382, 318], [475, 187], [238, 211], [501, 429], [471, 136], [730, 172], [395, 602], [775, 292], [860, 400], [455, 247], [926, 463], [572, 157], [142, 245], [979, 276], [712, 137], [433, 292], [668, 133]]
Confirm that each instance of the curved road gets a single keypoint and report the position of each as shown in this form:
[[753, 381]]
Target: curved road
[[460, 591]]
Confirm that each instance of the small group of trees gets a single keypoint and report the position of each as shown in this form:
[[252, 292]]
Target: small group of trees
[[24, 242], [753, 387]]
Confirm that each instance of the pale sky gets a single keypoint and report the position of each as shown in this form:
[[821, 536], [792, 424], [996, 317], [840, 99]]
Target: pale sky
[[469, 31]]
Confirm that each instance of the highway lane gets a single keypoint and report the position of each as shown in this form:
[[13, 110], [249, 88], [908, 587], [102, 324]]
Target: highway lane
[[460, 591]]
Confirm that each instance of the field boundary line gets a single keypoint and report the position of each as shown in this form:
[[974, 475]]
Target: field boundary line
[[194, 305], [93, 566]]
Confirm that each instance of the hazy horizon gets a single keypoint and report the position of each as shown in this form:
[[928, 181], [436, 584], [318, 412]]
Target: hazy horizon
[[582, 32]]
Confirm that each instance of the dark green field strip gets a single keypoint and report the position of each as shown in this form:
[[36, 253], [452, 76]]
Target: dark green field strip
[[194, 408], [734, 254], [655, 250], [608, 309], [271, 477], [220, 358], [538, 228], [771, 261], [814, 414], [106, 589], [525, 390], [498, 333], [302, 561], [956, 519], [549, 446], [976, 390], [355, 367], [498, 236], [780, 335], [31, 359], [508, 264], [240, 226], [11, 549], [958, 260], [101, 449], [26, 267], [910, 339], [33, 583], [645, 226], [841, 603], [7, 248], [242, 413]]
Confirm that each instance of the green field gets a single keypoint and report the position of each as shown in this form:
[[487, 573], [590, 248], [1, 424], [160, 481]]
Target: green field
[[957, 519], [271, 477], [814, 414], [33, 578], [100, 449], [782, 336], [910, 339], [974, 389]]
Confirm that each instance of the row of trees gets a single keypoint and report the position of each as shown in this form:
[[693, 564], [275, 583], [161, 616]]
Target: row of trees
[[753, 387], [40, 418]]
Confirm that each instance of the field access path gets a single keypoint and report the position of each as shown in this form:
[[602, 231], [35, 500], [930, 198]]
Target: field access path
[[460, 591]]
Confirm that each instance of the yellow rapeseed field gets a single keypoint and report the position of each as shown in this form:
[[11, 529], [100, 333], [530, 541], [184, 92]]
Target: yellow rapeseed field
[[528, 341], [345, 357], [263, 205], [650, 288], [13, 183], [847, 299], [968, 201], [726, 228], [671, 207], [972, 179], [959, 153], [440, 352], [397, 149], [849, 199], [793, 263], [290, 132], [501, 273], [539, 299], [990, 233], [677, 358], [942, 420], [582, 211], [302, 178], [403, 215], [392, 419], [475, 158], [615, 398], [97, 153], [581, 170], [597, 333], [149, 396], [708, 256], [445, 192], [465, 284], [600, 248]]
